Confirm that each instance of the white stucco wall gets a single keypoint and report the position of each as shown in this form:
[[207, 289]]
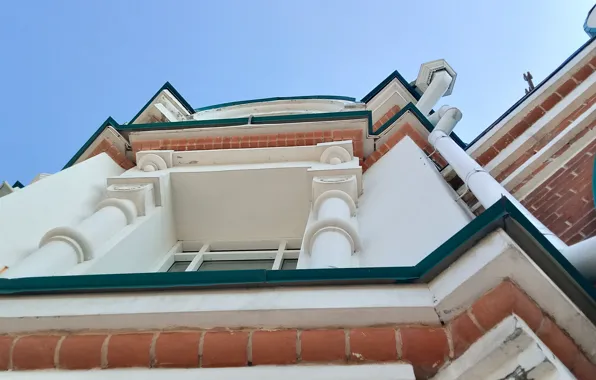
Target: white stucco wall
[[407, 209], [62, 199]]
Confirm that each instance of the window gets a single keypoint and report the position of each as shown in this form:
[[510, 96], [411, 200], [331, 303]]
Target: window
[[208, 260]]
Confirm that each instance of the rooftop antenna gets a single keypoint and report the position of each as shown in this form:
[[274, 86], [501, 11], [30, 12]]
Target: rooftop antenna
[[528, 78]]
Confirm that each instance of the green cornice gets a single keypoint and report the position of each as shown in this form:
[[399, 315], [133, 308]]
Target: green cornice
[[410, 107], [254, 120], [109, 121], [174, 92], [502, 214], [262, 100], [385, 82]]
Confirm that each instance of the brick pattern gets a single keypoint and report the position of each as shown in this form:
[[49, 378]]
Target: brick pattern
[[564, 202], [533, 115], [427, 348], [110, 148], [385, 118], [256, 141], [547, 138], [395, 137]]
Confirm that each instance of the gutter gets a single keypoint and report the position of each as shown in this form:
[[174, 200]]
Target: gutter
[[502, 214]]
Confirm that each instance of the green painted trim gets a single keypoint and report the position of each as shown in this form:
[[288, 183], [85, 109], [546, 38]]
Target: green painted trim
[[254, 120], [593, 179], [410, 107], [183, 124], [109, 121], [175, 93], [394, 75], [18, 184], [273, 99], [502, 214]]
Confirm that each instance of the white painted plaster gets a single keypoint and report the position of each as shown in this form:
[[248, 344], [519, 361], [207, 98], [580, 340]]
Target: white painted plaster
[[63, 199], [165, 107], [390, 371], [407, 210], [392, 94], [235, 308], [278, 107]]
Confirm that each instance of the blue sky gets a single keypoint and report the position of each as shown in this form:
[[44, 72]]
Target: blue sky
[[68, 65]]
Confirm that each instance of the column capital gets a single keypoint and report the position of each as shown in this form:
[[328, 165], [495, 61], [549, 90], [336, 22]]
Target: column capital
[[345, 183], [140, 194]]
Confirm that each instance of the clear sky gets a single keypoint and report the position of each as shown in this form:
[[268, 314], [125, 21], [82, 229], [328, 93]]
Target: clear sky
[[68, 65]]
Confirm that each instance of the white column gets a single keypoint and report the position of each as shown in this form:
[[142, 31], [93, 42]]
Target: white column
[[331, 237], [62, 248], [331, 248]]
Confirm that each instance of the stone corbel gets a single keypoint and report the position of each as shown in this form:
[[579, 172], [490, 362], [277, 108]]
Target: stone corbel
[[335, 155], [154, 160]]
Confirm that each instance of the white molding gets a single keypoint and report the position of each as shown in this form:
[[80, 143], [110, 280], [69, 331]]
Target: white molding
[[320, 153], [511, 348], [389, 371], [545, 154], [542, 126], [277, 107]]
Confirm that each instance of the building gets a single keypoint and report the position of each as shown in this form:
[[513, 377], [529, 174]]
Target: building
[[247, 239]]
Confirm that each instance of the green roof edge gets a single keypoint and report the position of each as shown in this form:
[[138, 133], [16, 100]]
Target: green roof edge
[[253, 120], [385, 82], [502, 214], [411, 107], [305, 97], [167, 86], [109, 121]]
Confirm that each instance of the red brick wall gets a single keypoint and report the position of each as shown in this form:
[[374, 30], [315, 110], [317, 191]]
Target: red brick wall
[[564, 203], [110, 148], [427, 348]]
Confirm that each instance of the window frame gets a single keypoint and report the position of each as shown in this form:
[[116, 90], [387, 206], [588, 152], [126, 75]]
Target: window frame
[[197, 258]]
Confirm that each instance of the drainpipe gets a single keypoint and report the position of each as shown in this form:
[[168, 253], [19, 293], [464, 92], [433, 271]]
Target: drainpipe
[[437, 88], [488, 191]]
